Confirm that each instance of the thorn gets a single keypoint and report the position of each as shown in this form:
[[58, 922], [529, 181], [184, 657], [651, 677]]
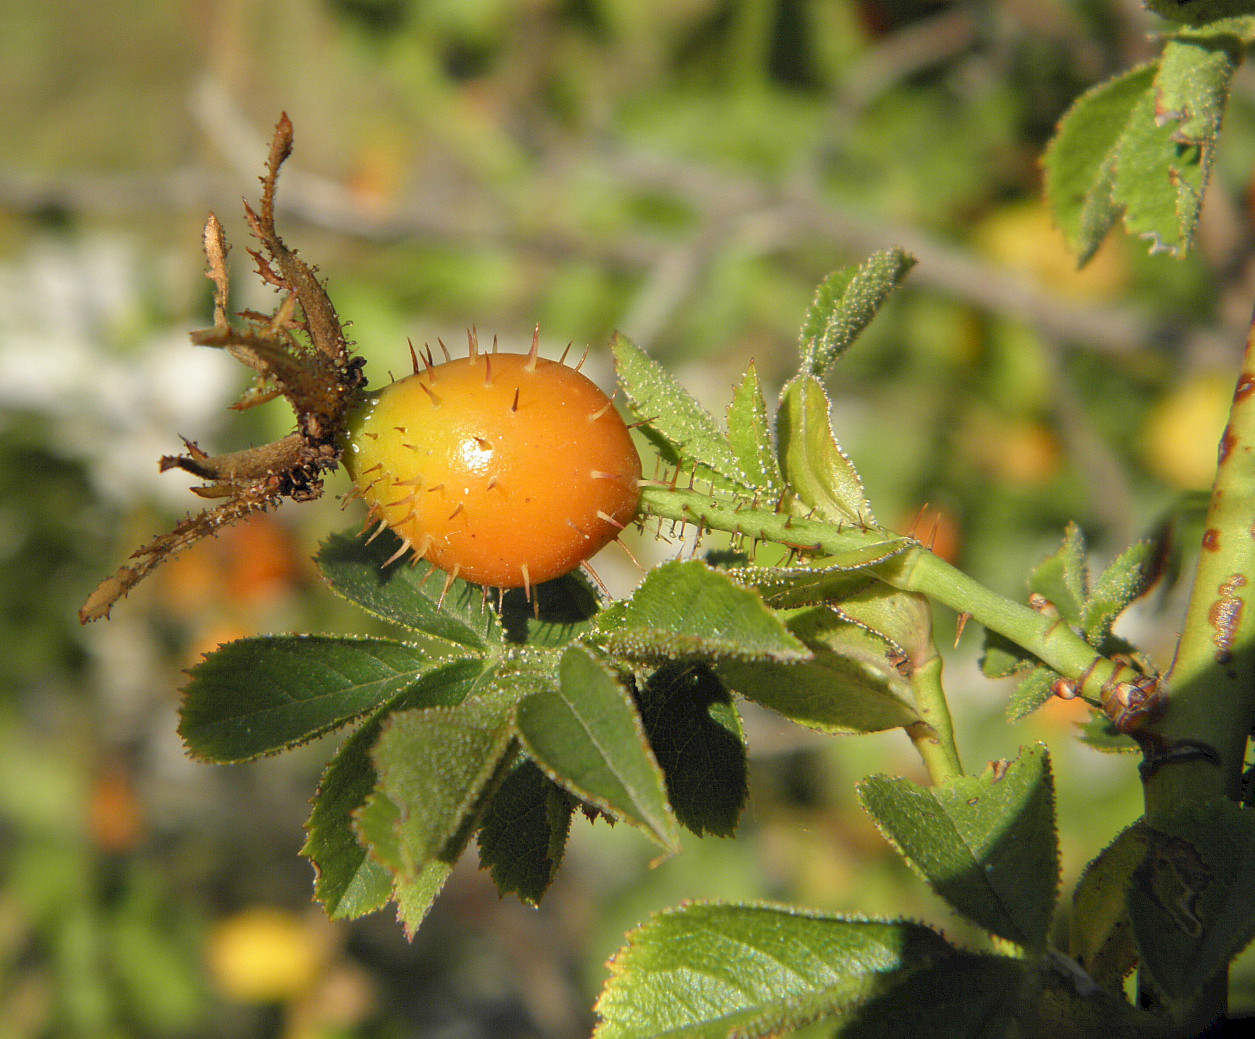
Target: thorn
[[430, 393], [456, 511], [413, 355], [405, 547], [635, 562], [428, 360], [960, 624], [587, 568], [514, 404], [910, 531], [494, 344], [527, 583], [472, 342], [582, 359], [611, 520], [530, 364], [444, 350], [488, 365], [448, 583], [603, 409], [640, 422], [562, 359], [491, 485]]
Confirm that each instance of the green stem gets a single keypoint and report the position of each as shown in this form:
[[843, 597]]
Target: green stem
[[933, 735], [900, 562], [1047, 638], [1211, 698], [1196, 746]]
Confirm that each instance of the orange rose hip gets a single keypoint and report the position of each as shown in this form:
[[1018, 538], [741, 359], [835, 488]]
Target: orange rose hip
[[502, 469]]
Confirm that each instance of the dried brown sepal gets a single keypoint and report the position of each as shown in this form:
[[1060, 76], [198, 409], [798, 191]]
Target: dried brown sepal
[[318, 375]]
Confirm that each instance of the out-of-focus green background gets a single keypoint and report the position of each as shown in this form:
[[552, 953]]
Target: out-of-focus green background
[[683, 170]]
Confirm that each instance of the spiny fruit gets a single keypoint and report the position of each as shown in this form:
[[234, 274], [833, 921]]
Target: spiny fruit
[[502, 469]]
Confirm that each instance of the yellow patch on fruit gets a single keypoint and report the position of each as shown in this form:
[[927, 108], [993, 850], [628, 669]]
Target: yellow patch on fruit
[[502, 469]]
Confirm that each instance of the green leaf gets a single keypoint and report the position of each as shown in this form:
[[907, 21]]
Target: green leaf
[[524, 832], [408, 595], [1101, 933], [963, 996], [1142, 144], [815, 468], [695, 732], [1063, 577], [839, 577], [690, 610], [844, 304], [414, 895], [849, 685], [1124, 580], [1099, 732], [985, 844], [349, 882], [1080, 161], [588, 737], [260, 695], [707, 971], [435, 766], [1002, 658], [749, 434], [902, 620], [1192, 902], [1034, 691], [682, 429], [1165, 154], [556, 613], [1200, 12]]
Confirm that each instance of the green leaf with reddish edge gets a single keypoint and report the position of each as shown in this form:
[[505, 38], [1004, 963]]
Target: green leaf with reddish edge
[[435, 765], [414, 895], [695, 732], [848, 686], [844, 305], [265, 694], [684, 431], [409, 595], [1101, 934], [749, 434], [986, 844], [1080, 163], [815, 469], [586, 734], [348, 881], [690, 610], [1164, 156], [1192, 901], [1127, 578], [712, 971], [524, 832]]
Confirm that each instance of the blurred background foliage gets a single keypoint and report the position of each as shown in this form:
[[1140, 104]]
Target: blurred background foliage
[[683, 170]]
